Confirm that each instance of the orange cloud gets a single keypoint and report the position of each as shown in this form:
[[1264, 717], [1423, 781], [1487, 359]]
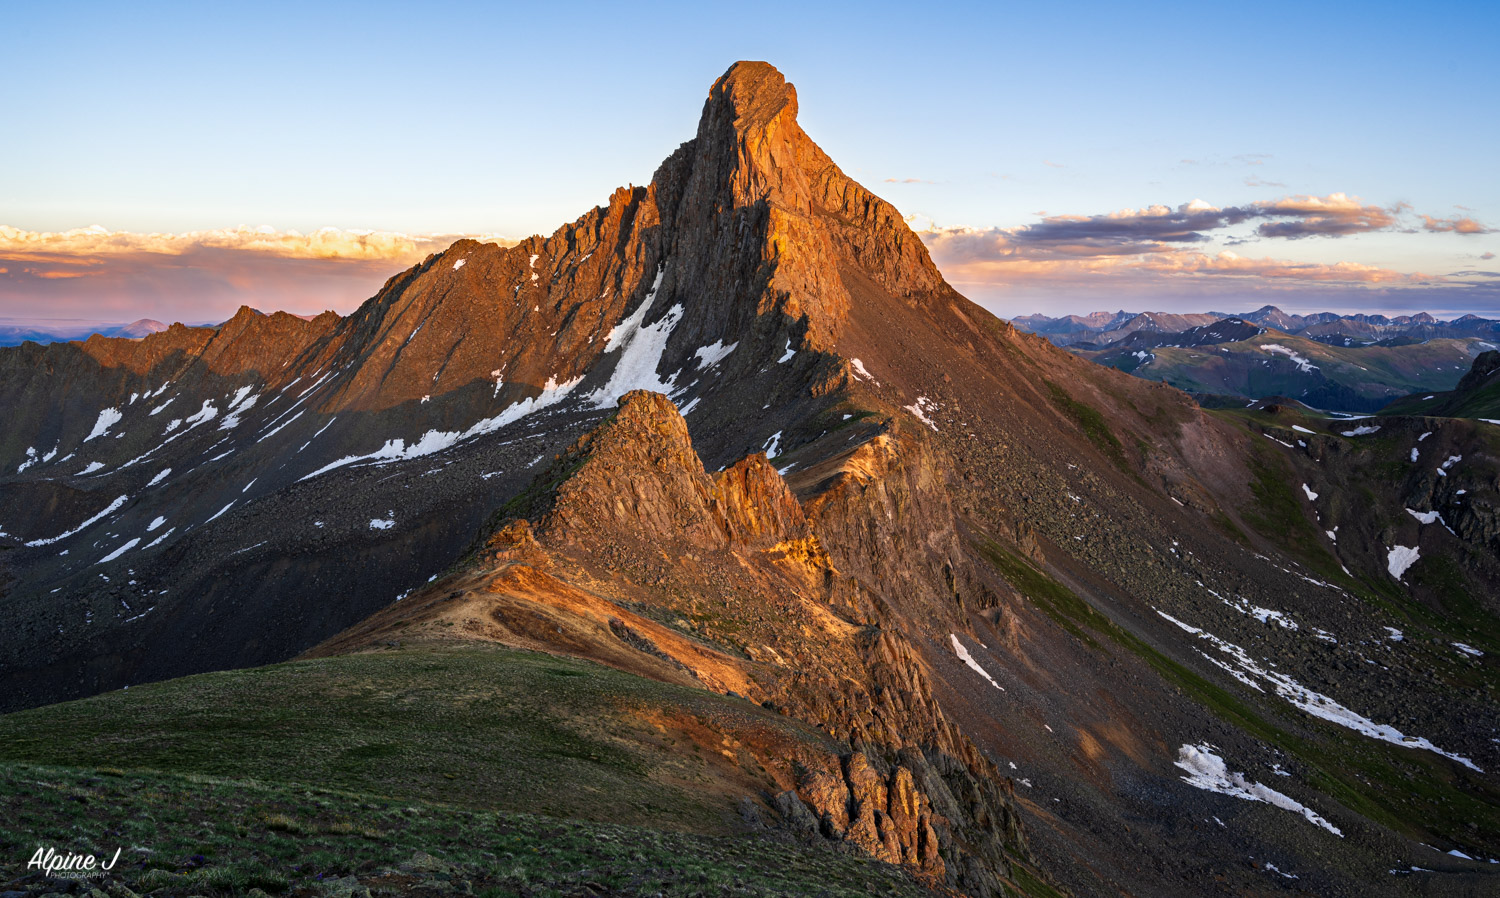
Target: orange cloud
[[324, 243], [1458, 224], [1173, 264], [1233, 264], [1128, 246], [1332, 216], [202, 276]]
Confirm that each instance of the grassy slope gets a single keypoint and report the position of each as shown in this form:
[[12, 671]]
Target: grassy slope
[[479, 726], [1481, 403], [193, 835], [468, 736]]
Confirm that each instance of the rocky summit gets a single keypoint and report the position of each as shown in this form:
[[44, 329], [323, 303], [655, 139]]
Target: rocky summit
[[853, 569]]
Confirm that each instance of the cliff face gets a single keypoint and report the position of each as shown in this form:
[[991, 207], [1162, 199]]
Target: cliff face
[[759, 208]]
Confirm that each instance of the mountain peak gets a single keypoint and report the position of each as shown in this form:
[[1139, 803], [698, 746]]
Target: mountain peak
[[754, 94]]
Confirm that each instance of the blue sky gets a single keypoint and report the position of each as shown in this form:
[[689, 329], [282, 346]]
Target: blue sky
[[993, 118]]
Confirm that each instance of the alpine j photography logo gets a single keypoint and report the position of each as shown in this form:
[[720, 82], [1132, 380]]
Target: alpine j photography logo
[[70, 865]]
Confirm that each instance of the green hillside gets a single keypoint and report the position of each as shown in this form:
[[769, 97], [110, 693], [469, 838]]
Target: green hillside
[[1346, 378], [431, 767], [1476, 396]]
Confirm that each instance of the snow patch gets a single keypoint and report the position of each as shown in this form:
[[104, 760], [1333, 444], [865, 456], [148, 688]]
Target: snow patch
[[109, 510], [712, 354], [1311, 496], [107, 419], [1208, 771], [93, 466], [772, 448], [383, 523], [120, 551], [1426, 517], [241, 403], [1303, 364], [641, 349], [1400, 558], [160, 477], [787, 356], [277, 429], [1314, 703], [459, 264], [919, 408], [859, 370], [965, 657], [204, 414], [438, 440], [1468, 650], [220, 511], [155, 523], [1362, 430], [1300, 429]]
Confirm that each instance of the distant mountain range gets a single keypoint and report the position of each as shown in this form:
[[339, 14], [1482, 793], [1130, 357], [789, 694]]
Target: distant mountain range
[[1353, 363], [16, 334], [1105, 328]]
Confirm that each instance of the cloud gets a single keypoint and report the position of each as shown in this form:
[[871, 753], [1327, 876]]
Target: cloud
[[324, 243], [1126, 231], [1050, 164], [991, 258], [1335, 215], [1457, 224], [1167, 251], [1232, 264], [200, 276], [1162, 256], [1159, 228], [1257, 181], [907, 181], [1486, 256]]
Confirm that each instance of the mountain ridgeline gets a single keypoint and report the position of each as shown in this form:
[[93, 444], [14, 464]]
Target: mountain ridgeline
[[1348, 363], [954, 599]]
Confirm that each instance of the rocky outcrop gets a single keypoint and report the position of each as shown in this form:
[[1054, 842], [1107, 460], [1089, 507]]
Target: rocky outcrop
[[885, 516], [913, 789], [638, 475], [1485, 364]]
